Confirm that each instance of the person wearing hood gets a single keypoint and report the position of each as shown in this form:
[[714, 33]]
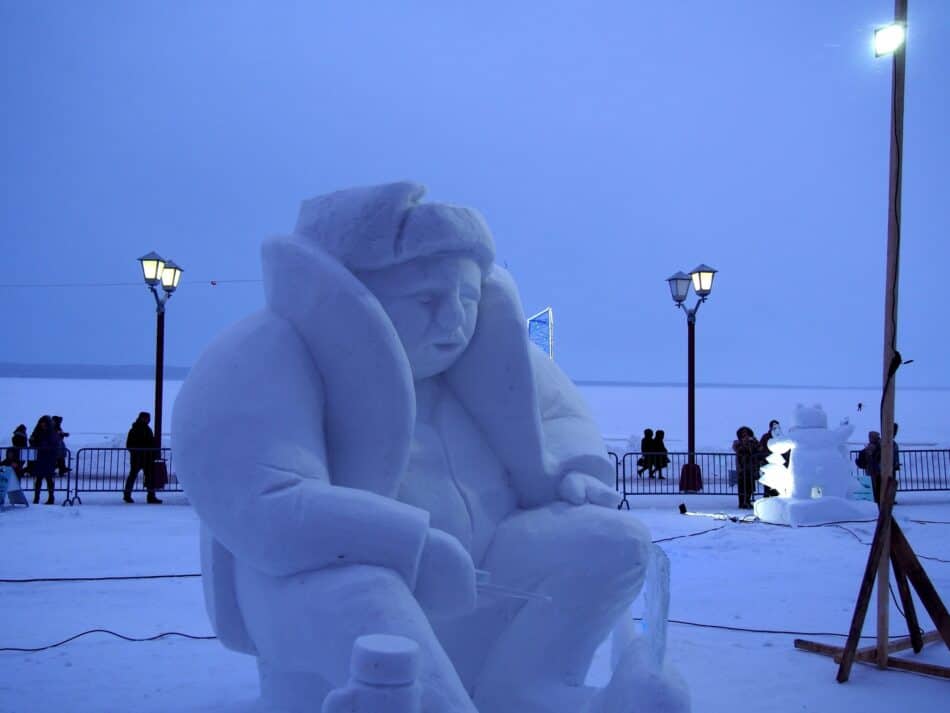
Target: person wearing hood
[[140, 443], [48, 449], [20, 441], [748, 459], [388, 323]]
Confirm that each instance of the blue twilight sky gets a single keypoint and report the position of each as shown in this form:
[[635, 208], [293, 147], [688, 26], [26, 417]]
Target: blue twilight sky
[[608, 144]]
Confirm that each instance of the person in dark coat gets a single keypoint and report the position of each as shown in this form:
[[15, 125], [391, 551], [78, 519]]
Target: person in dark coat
[[646, 450], [47, 446], [748, 460], [659, 460], [61, 436], [141, 444], [20, 441], [869, 460]]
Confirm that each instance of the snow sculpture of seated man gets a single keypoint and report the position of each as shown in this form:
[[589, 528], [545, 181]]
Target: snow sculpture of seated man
[[375, 434]]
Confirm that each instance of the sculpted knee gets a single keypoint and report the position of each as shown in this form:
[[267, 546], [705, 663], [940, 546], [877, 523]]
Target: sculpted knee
[[615, 542]]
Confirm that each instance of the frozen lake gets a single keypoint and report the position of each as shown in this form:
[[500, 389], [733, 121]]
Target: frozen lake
[[96, 411]]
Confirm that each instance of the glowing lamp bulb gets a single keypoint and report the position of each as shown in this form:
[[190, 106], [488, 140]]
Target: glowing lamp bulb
[[889, 39]]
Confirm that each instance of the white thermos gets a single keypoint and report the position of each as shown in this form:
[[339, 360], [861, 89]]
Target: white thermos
[[383, 673]]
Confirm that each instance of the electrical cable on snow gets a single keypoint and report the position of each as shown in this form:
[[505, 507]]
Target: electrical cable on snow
[[751, 630], [162, 635], [724, 627], [116, 578], [133, 639], [691, 534]]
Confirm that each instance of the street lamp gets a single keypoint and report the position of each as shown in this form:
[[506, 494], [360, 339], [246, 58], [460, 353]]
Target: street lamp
[[156, 271], [701, 280]]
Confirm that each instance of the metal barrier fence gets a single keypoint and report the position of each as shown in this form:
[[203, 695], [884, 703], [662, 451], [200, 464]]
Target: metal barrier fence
[[634, 476], [918, 470], [104, 470]]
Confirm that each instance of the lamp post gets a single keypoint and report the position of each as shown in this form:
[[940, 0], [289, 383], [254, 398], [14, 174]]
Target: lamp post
[[890, 40], [156, 271], [701, 279]]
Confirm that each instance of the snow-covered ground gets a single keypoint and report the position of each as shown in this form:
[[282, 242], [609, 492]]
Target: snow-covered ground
[[741, 575]]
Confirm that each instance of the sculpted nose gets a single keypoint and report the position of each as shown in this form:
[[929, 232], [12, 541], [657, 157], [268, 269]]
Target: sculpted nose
[[449, 314]]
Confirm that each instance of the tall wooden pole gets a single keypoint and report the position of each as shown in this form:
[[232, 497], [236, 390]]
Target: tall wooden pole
[[890, 324]]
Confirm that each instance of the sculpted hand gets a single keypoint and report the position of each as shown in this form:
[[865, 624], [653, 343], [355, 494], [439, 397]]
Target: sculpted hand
[[446, 580], [580, 488]]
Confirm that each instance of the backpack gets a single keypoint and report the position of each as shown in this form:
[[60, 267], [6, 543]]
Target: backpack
[[862, 460]]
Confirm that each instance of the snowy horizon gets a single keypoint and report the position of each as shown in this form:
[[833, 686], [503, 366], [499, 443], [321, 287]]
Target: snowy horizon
[[99, 409]]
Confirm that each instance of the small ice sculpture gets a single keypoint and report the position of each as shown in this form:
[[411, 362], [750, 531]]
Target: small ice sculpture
[[381, 451], [817, 484], [775, 474]]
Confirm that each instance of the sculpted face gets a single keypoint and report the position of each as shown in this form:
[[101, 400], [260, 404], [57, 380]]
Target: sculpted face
[[433, 303]]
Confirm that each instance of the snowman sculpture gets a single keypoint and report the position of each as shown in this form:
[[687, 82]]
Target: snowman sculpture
[[816, 485]]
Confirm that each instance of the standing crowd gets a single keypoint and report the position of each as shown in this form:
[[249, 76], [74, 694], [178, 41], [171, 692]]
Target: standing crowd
[[43, 454]]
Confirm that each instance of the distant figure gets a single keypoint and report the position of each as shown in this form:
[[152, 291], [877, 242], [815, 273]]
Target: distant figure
[[11, 458], [659, 460], [748, 460], [61, 436], [141, 445], [20, 441], [869, 460], [860, 406], [47, 446], [897, 461], [774, 427], [646, 448], [10, 473]]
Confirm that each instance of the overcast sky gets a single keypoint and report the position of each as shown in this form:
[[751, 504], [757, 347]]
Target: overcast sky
[[608, 144]]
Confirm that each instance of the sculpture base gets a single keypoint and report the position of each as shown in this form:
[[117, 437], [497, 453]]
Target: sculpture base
[[816, 511]]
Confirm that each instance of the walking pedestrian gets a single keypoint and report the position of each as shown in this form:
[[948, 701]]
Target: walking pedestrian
[[646, 450], [659, 460], [140, 443]]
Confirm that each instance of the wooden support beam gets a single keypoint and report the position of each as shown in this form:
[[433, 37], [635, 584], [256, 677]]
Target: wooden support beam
[[918, 577], [867, 583], [869, 653], [907, 601], [816, 647], [866, 653], [929, 669]]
